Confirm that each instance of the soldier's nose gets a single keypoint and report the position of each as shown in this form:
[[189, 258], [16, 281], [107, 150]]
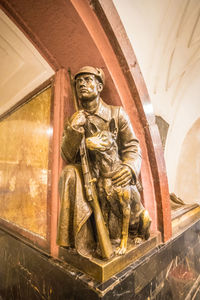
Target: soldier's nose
[[83, 83]]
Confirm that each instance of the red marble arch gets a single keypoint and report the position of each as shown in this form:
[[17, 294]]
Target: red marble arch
[[76, 33], [104, 25]]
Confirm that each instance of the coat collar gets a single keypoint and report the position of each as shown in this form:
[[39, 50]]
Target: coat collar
[[103, 111]]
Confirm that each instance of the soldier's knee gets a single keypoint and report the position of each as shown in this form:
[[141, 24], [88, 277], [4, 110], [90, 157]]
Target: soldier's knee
[[68, 178], [70, 170]]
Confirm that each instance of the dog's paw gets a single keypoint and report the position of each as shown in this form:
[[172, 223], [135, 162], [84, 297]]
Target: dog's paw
[[138, 240], [121, 250]]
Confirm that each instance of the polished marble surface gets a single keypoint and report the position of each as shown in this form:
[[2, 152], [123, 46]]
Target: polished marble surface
[[24, 152], [170, 271]]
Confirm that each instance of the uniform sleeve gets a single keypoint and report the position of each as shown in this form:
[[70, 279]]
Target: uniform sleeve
[[129, 148], [70, 143]]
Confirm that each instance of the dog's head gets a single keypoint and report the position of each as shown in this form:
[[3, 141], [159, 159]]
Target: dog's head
[[102, 140]]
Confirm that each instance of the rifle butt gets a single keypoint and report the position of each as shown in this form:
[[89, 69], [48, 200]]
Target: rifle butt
[[102, 232]]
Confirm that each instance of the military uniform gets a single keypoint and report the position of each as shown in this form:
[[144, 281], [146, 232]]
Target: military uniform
[[74, 226]]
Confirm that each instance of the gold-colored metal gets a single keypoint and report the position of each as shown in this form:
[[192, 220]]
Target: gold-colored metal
[[102, 270], [91, 193], [106, 176]]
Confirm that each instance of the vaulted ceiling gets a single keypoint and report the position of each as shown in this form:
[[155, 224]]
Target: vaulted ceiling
[[165, 36]]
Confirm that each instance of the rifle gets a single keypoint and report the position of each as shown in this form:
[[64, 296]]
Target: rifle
[[91, 192]]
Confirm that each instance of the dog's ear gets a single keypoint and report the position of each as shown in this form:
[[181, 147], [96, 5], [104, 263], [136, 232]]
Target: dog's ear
[[113, 128], [92, 128]]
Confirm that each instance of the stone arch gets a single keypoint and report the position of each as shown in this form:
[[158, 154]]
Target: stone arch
[[75, 33]]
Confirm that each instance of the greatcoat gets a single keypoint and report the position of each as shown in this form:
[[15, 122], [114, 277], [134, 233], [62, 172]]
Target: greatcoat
[[75, 228]]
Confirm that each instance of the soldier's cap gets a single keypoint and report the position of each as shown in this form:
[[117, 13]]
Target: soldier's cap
[[94, 71]]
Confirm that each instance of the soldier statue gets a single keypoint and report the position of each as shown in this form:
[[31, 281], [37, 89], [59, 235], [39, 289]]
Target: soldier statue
[[114, 161]]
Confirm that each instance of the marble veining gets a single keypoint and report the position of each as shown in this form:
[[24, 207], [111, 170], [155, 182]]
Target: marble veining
[[24, 137]]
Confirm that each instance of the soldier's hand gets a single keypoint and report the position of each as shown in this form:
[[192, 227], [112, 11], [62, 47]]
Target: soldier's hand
[[78, 120], [122, 177]]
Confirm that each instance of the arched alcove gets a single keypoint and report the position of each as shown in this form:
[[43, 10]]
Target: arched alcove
[[76, 33]]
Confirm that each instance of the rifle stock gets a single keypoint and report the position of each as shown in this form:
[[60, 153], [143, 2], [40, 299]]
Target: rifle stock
[[91, 193]]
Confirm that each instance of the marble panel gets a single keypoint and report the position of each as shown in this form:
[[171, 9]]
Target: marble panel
[[168, 272], [24, 152]]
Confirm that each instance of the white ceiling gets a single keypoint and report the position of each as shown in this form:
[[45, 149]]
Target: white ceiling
[[165, 36], [22, 67]]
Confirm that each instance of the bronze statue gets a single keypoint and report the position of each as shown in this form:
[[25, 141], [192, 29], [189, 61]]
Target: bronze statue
[[99, 188]]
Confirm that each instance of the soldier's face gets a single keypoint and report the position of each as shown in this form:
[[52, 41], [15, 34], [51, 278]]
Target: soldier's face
[[87, 87]]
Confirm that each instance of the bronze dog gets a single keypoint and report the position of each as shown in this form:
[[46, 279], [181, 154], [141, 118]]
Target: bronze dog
[[123, 202]]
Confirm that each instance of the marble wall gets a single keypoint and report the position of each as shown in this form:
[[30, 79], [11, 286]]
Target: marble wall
[[168, 272], [24, 152]]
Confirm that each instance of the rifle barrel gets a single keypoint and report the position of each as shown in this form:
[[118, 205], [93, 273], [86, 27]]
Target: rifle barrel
[[90, 187]]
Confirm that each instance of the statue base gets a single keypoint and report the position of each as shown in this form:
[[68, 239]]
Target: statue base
[[102, 270]]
